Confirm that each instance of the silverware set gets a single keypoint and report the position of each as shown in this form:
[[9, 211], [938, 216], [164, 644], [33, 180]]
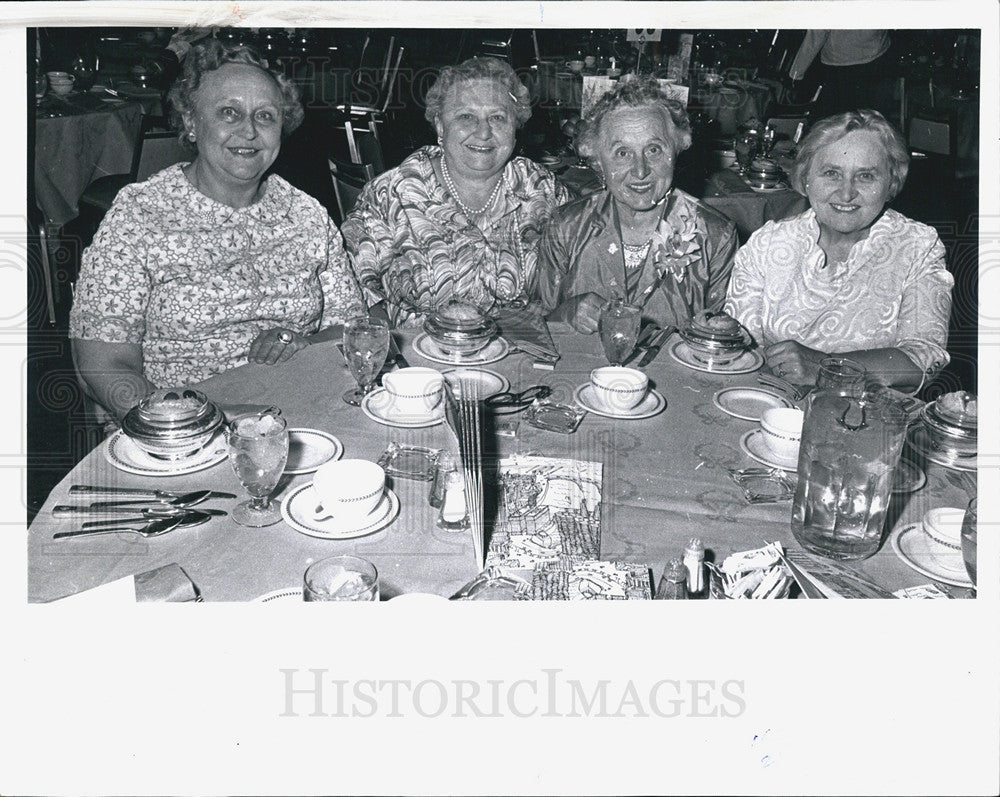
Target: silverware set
[[463, 416], [793, 392], [152, 512], [649, 342]]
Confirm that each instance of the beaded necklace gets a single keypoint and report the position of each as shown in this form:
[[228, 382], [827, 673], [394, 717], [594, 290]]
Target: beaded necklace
[[450, 185]]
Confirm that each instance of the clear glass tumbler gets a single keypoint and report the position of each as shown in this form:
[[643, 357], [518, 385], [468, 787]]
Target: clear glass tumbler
[[341, 578], [366, 345], [258, 450], [843, 374], [619, 329]]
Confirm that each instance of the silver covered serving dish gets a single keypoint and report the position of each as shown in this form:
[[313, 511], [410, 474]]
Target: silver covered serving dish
[[459, 328], [952, 424], [173, 423], [715, 338]]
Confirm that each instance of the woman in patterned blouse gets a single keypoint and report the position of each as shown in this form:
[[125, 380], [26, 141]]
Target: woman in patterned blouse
[[208, 265], [847, 276], [461, 219]]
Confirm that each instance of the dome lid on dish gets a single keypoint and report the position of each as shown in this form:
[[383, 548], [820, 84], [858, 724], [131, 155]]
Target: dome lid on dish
[[458, 316], [955, 413], [171, 413]]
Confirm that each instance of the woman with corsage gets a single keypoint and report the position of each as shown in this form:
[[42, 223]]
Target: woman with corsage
[[461, 219], [848, 276], [640, 239], [209, 264]]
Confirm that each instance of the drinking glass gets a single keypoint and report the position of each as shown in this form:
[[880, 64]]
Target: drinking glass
[[746, 150], [841, 374], [258, 450], [619, 329], [366, 345], [341, 578], [969, 523]]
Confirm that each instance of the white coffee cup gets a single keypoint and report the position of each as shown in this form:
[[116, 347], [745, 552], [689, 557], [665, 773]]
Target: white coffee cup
[[347, 489], [782, 431], [413, 391], [618, 389]]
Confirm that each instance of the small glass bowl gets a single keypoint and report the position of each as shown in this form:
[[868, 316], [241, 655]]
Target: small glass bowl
[[952, 424], [459, 328], [714, 346]]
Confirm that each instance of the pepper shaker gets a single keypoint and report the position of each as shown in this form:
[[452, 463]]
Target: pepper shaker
[[694, 561], [673, 583], [454, 513], [445, 465]]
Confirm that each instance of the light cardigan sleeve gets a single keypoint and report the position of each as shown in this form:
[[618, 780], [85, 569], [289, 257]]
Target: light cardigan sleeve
[[745, 296], [808, 50], [113, 289], [342, 297], [925, 306]]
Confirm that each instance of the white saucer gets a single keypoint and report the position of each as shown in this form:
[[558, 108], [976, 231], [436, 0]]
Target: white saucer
[[744, 364], [748, 403], [376, 405], [489, 382], [496, 350], [920, 441], [652, 404], [310, 448], [753, 446], [125, 455], [297, 512], [928, 558], [281, 595]]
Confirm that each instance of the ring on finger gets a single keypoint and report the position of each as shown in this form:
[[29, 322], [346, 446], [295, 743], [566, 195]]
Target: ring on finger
[[285, 336]]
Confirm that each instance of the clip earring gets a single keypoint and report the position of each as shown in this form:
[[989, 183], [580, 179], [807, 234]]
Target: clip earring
[[191, 135]]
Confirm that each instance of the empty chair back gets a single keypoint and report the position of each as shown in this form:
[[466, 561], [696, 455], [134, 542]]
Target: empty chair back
[[157, 151], [348, 181]]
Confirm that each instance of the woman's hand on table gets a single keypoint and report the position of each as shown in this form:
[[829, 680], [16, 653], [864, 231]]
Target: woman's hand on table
[[276, 345], [793, 362]]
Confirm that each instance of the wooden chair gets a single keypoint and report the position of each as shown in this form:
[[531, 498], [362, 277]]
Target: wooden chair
[[155, 149], [348, 181]]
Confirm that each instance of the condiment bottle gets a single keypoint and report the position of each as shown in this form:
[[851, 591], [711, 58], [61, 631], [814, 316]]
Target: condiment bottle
[[694, 561], [454, 514], [673, 582]]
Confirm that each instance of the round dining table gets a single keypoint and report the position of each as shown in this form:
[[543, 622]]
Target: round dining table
[[666, 479]]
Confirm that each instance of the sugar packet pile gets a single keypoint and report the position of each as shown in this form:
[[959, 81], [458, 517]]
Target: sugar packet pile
[[759, 573]]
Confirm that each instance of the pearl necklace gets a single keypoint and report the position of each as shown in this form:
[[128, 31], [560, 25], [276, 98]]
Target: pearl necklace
[[450, 185]]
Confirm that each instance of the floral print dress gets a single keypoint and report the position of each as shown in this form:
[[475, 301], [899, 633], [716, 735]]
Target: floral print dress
[[412, 245], [194, 281]]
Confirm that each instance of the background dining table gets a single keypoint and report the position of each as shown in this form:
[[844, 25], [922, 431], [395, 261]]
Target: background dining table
[[727, 192], [666, 480], [80, 137]]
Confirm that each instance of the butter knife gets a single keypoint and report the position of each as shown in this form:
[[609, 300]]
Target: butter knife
[[396, 355], [655, 345], [68, 510], [642, 342], [94, 489]]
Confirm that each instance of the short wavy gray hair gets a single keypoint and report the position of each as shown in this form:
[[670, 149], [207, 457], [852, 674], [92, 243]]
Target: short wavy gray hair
[[209, 55], [638, 92], [834, 128], [500, 72]]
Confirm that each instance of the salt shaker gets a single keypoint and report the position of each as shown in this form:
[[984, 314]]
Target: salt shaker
[[694, 561], [445, 465], [673, 583], [454, 514]]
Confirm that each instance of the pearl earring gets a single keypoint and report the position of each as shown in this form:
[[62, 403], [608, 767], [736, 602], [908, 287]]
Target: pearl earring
[[191, 135]]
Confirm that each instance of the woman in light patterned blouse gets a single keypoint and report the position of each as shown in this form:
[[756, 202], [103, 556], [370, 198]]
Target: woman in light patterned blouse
[[461, 219], [847, 276], [207, 264]]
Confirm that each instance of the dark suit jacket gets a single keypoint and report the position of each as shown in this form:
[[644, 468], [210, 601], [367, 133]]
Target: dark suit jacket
[[581, 252]]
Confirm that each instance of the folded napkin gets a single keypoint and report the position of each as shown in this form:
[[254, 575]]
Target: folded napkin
[[526, 329], [167, 583]]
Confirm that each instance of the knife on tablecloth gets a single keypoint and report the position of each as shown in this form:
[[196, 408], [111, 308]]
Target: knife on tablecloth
[[655, 345]]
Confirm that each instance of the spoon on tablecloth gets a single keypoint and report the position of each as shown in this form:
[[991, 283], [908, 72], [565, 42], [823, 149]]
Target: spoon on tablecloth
[[184, 501]]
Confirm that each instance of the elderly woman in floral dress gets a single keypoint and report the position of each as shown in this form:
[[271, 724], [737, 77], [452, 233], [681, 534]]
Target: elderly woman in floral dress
[[208, 264], [461, 219], [640, 239]]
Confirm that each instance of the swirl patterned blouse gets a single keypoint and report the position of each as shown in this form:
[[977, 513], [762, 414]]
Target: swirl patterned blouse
[[194, 281], [893, 291], [412, 245]]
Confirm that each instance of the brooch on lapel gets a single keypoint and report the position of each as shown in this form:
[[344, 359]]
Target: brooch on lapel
[[612, 248]]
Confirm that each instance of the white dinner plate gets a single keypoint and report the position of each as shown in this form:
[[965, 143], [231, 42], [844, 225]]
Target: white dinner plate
[[378, 406], [754, 447], [310, 448], [921, 441], [744, 364], [297, 511], [652, 404], [748, 403], [281, 595], [125, 455], [928, 558], [496, 350], [489, 382]]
